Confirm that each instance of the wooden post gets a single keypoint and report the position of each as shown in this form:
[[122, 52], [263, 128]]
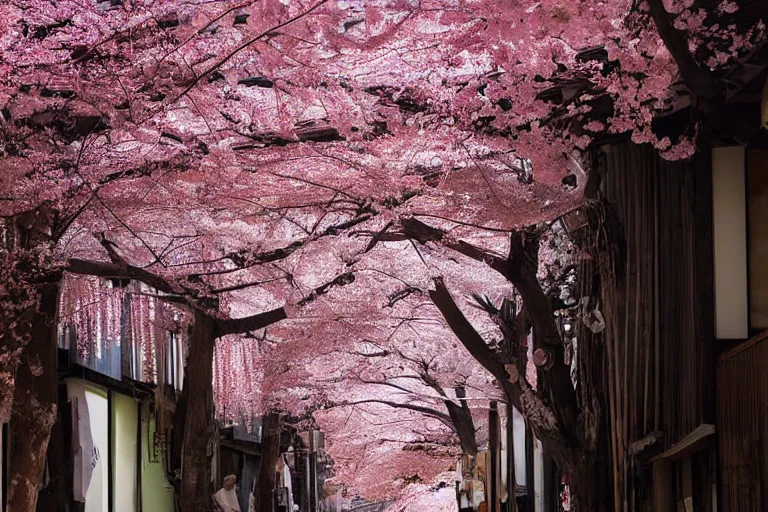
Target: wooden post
[[270, 454], [493, 441], [663, 500], [530, 505], [312, 471], [308, 480]]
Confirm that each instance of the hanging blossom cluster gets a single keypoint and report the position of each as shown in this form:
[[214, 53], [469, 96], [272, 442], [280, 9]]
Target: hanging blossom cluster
[[97, 316], [237, 377]]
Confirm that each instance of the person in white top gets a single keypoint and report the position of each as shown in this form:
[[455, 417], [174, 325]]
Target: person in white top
[[252, 498], [225, 500]]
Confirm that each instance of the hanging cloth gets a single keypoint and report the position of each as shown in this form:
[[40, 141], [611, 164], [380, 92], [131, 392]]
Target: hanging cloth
[[82, 441]]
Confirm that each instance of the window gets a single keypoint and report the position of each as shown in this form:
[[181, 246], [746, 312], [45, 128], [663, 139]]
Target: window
[[740, 225], [174, 363], [730, 243], [105, 430], [124, 427], [757, 211]]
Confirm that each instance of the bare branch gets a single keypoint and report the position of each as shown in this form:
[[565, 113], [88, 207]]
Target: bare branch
[[249, 323], [120, 271], [245, 45], [341, 280], [432, 413], [417, 230]]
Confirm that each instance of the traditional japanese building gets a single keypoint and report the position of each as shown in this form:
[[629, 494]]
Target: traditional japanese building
[[120, 369], [685, 351]]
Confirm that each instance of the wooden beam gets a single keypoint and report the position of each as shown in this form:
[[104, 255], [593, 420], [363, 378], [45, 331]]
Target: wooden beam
[[764, 107], [744, 346], [242, 446], [493, 442], [691, 443]]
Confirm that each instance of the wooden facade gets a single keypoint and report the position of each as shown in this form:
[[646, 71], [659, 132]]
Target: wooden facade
[[660, 335], [742, 421]]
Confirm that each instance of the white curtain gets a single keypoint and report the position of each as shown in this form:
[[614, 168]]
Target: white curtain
[[81, 438]]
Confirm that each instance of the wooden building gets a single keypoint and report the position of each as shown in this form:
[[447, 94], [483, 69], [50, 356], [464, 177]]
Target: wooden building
[[109, 447], [687, 411]]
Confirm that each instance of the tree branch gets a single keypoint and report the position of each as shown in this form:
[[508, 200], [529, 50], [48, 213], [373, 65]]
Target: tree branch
[[522, 263], [120, 271], [249, 323], [441, 416], [340, 280], [244, 45], [544, 422], [470, 338], [698, 80], [415, 229], [522, 267], [246, 259]]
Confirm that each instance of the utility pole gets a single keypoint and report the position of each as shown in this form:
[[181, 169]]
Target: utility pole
[[308, 480], [493, 477], [312, 472]]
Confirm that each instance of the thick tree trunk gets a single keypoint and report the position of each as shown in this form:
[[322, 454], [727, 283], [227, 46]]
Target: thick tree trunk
[[199, 427], [589, 482], [57, 495], [464, 425], [270, 452], [177, 439], [34, 406], [8, 386]]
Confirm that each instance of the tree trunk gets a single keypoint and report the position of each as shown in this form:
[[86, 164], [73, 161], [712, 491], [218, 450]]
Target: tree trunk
[[177, 440], [589, 485], [34, 406], [199, 427], [465, 427], [270, 452], [58, 494], [463, 422]]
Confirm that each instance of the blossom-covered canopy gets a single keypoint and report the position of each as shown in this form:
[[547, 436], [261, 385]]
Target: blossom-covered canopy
[[260, 154]]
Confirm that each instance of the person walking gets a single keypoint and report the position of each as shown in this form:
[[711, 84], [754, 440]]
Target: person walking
[[225, 500]]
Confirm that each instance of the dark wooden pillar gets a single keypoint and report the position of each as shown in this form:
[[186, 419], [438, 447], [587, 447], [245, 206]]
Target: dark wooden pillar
[[529, 504], [313, 471], [493, 442], [270, 453]]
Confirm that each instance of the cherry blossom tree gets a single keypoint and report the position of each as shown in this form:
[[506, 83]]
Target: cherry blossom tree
[[244, 157]]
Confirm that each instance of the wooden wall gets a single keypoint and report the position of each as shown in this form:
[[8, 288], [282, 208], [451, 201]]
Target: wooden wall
[[742, 420], [660, 345]]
